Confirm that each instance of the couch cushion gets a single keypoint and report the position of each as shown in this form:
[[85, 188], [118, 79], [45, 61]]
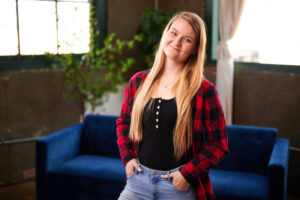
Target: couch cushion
[[95, 174], [99, 136], [238, 185], [250, 148]]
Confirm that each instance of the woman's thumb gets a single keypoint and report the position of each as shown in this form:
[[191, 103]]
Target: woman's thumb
[[139, 168]]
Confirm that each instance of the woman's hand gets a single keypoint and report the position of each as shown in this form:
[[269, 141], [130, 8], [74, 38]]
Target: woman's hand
[[130, 166], [179, 181]]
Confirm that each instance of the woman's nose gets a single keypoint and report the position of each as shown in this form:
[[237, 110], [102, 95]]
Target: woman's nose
[[177, 41]]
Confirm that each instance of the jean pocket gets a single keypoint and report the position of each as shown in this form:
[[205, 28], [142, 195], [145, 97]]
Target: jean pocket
[[171, 182], [130, 177], [134, 173]]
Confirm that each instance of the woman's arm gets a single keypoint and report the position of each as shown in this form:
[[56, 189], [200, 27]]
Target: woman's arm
[[215, 135], [126, 145], [123, 124]]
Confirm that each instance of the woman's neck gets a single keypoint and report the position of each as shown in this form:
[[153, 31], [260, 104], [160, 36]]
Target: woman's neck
[[172, 68], [169, 77]]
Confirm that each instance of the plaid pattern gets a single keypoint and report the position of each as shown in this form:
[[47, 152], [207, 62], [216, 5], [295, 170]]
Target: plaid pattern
[[209, 146]]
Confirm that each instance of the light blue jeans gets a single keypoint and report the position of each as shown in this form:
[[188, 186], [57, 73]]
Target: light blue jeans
[[148, 185]]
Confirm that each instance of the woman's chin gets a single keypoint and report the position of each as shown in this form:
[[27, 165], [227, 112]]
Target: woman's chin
[[171, 54]]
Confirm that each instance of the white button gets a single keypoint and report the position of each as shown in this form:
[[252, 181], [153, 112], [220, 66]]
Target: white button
[[156, 126], [158, 107], [156, 119], [157, 113], [159, 100]]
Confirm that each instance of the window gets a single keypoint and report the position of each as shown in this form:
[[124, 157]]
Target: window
[[268, 33], [33, 27], [8, 28], [73, 27]]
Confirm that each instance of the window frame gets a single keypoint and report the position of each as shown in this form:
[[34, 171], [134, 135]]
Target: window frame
[[19, 62], [213, 34]]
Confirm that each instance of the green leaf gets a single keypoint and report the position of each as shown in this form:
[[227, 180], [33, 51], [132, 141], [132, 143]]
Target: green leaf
[[111, 57], [109, 76], [130, 61], [138, 37], [131, 44], [72, 96], [111, 65], [98, 51], [114, 89]]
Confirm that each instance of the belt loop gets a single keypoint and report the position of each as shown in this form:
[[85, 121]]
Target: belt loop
[[168, 175], [138, 165], [135, 169]]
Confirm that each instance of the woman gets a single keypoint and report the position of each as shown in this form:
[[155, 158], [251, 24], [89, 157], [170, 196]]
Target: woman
[[162, 142]]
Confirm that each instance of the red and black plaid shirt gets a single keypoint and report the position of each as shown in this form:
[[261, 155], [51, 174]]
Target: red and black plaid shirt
[[209, 134]]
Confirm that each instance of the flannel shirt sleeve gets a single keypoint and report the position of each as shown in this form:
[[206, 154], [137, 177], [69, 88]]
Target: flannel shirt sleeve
[[125, 144], [215, 134]]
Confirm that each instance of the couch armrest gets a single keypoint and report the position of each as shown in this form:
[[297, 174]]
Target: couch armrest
[[278, 169], [53, 150], [58, 147]]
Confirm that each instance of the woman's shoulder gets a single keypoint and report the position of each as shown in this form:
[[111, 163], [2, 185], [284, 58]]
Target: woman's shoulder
[[138, 77], [206, 86]]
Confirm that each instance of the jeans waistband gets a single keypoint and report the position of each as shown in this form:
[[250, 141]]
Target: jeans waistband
[[155, 171]]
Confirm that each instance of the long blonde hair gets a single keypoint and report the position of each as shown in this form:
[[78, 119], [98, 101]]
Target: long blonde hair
[[187, 86]]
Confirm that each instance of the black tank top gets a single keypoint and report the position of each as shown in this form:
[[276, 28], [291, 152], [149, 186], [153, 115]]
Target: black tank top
[[156, 149]]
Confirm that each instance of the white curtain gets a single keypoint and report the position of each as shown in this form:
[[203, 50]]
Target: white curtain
[[230, 13]]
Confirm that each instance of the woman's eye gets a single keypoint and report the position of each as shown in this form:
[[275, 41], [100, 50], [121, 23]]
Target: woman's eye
[[188, 40], [173, 33]]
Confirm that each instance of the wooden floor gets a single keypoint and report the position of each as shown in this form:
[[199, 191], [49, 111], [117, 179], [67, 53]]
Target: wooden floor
[[21, 191], [26, 191]]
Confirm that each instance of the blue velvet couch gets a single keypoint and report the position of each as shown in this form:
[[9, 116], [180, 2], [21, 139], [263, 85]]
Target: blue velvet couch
[[82, 162], [256, 166]]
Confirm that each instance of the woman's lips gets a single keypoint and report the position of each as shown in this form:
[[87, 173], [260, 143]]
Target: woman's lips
[[177, 49]]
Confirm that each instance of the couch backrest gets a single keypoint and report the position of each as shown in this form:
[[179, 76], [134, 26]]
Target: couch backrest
[[99, 136], [250, 148]]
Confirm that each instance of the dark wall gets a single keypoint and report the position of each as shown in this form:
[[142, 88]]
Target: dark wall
[[271, 99], [265, 98], [31, 106]]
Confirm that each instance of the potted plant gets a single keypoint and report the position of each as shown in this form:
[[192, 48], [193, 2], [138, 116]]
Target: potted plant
[[93, 75]]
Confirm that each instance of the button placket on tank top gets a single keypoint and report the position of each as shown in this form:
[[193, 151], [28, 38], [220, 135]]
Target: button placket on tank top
[[157, 110]]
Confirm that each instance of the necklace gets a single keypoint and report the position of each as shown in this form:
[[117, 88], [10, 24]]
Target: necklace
[[166, 85]]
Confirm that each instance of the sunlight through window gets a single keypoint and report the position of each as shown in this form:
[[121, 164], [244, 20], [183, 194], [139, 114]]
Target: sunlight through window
[[8, 28], [73, 31], [44, 26], [37, 27], [268, 32]]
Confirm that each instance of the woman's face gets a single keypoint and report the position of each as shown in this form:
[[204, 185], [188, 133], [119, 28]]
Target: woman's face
[[180, 41]]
